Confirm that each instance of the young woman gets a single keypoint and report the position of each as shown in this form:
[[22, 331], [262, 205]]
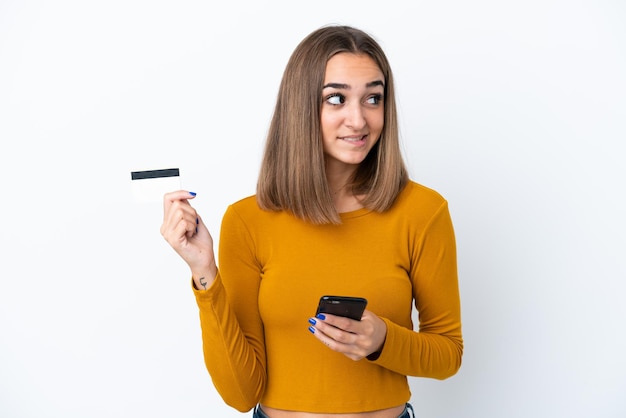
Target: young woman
[[334, 214]]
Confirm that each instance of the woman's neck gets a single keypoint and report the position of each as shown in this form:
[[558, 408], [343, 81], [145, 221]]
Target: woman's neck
[[341, 192]]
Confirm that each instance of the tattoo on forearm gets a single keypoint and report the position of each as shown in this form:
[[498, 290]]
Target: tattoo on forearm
[[203, 283]]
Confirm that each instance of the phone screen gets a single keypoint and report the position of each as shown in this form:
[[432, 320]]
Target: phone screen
[[347, 306]]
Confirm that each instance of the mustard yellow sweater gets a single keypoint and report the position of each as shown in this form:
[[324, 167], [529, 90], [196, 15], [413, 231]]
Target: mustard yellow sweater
[[273, 268]]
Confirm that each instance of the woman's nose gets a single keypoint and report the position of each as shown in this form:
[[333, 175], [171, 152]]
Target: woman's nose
[[355, 116]]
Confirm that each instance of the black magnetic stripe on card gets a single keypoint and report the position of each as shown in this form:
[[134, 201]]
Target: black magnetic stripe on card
[[154, 174]]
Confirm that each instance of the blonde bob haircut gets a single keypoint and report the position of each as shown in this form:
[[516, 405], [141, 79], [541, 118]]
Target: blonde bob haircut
[[292, 175]]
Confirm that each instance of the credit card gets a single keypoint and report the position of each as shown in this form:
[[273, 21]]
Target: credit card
[[151, 185]]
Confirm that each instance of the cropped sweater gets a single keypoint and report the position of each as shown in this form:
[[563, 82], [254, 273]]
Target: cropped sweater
[[273, 268]]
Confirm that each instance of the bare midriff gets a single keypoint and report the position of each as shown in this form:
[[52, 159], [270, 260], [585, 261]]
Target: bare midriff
[[381, 413]]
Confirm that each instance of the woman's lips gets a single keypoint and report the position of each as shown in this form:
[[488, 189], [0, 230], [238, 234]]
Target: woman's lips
[[355, 139]]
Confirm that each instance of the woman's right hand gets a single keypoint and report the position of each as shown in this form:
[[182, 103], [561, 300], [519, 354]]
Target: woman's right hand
[[184, 230]]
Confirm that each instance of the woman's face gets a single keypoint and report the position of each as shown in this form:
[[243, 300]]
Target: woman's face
[[353, 111]]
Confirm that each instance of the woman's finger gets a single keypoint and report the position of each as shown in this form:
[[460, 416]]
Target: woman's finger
[[176, 196]]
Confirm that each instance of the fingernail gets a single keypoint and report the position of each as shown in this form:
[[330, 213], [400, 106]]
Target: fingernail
[[312, 321], [321, 316], [197, 221], [192, 193], [312, 330]]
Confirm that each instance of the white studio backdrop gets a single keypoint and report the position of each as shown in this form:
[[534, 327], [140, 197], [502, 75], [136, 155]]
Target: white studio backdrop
[[515, 111]]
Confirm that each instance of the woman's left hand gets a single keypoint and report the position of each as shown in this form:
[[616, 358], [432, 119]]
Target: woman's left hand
[[355, 339]]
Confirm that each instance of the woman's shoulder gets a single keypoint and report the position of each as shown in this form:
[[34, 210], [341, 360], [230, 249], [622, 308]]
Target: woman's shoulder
[[415, 192], [244, 211], [246, 205], [248, 208], [419, 203]]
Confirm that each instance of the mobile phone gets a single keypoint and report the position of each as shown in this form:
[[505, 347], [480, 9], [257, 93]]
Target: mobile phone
[[348, 306]]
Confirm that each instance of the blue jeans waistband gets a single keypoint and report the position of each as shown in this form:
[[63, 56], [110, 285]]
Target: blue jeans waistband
[[407, 413]]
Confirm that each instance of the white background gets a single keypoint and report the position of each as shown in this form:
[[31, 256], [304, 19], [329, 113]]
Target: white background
[[514, 110]]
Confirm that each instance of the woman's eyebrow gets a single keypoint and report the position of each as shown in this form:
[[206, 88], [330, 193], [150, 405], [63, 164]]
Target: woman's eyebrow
[[336, 86], [347, 87], [375, 83]]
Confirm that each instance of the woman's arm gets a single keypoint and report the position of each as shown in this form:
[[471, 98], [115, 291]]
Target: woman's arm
[[436, 350], [232, 331]]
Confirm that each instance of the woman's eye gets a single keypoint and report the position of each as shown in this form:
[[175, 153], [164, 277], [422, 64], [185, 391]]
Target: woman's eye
[[335, 99], [375, 99]]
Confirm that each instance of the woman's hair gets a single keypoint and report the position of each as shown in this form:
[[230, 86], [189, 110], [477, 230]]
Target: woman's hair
[[292, 175]]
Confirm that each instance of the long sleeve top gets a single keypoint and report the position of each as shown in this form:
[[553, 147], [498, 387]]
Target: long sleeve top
[[273, 268]]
